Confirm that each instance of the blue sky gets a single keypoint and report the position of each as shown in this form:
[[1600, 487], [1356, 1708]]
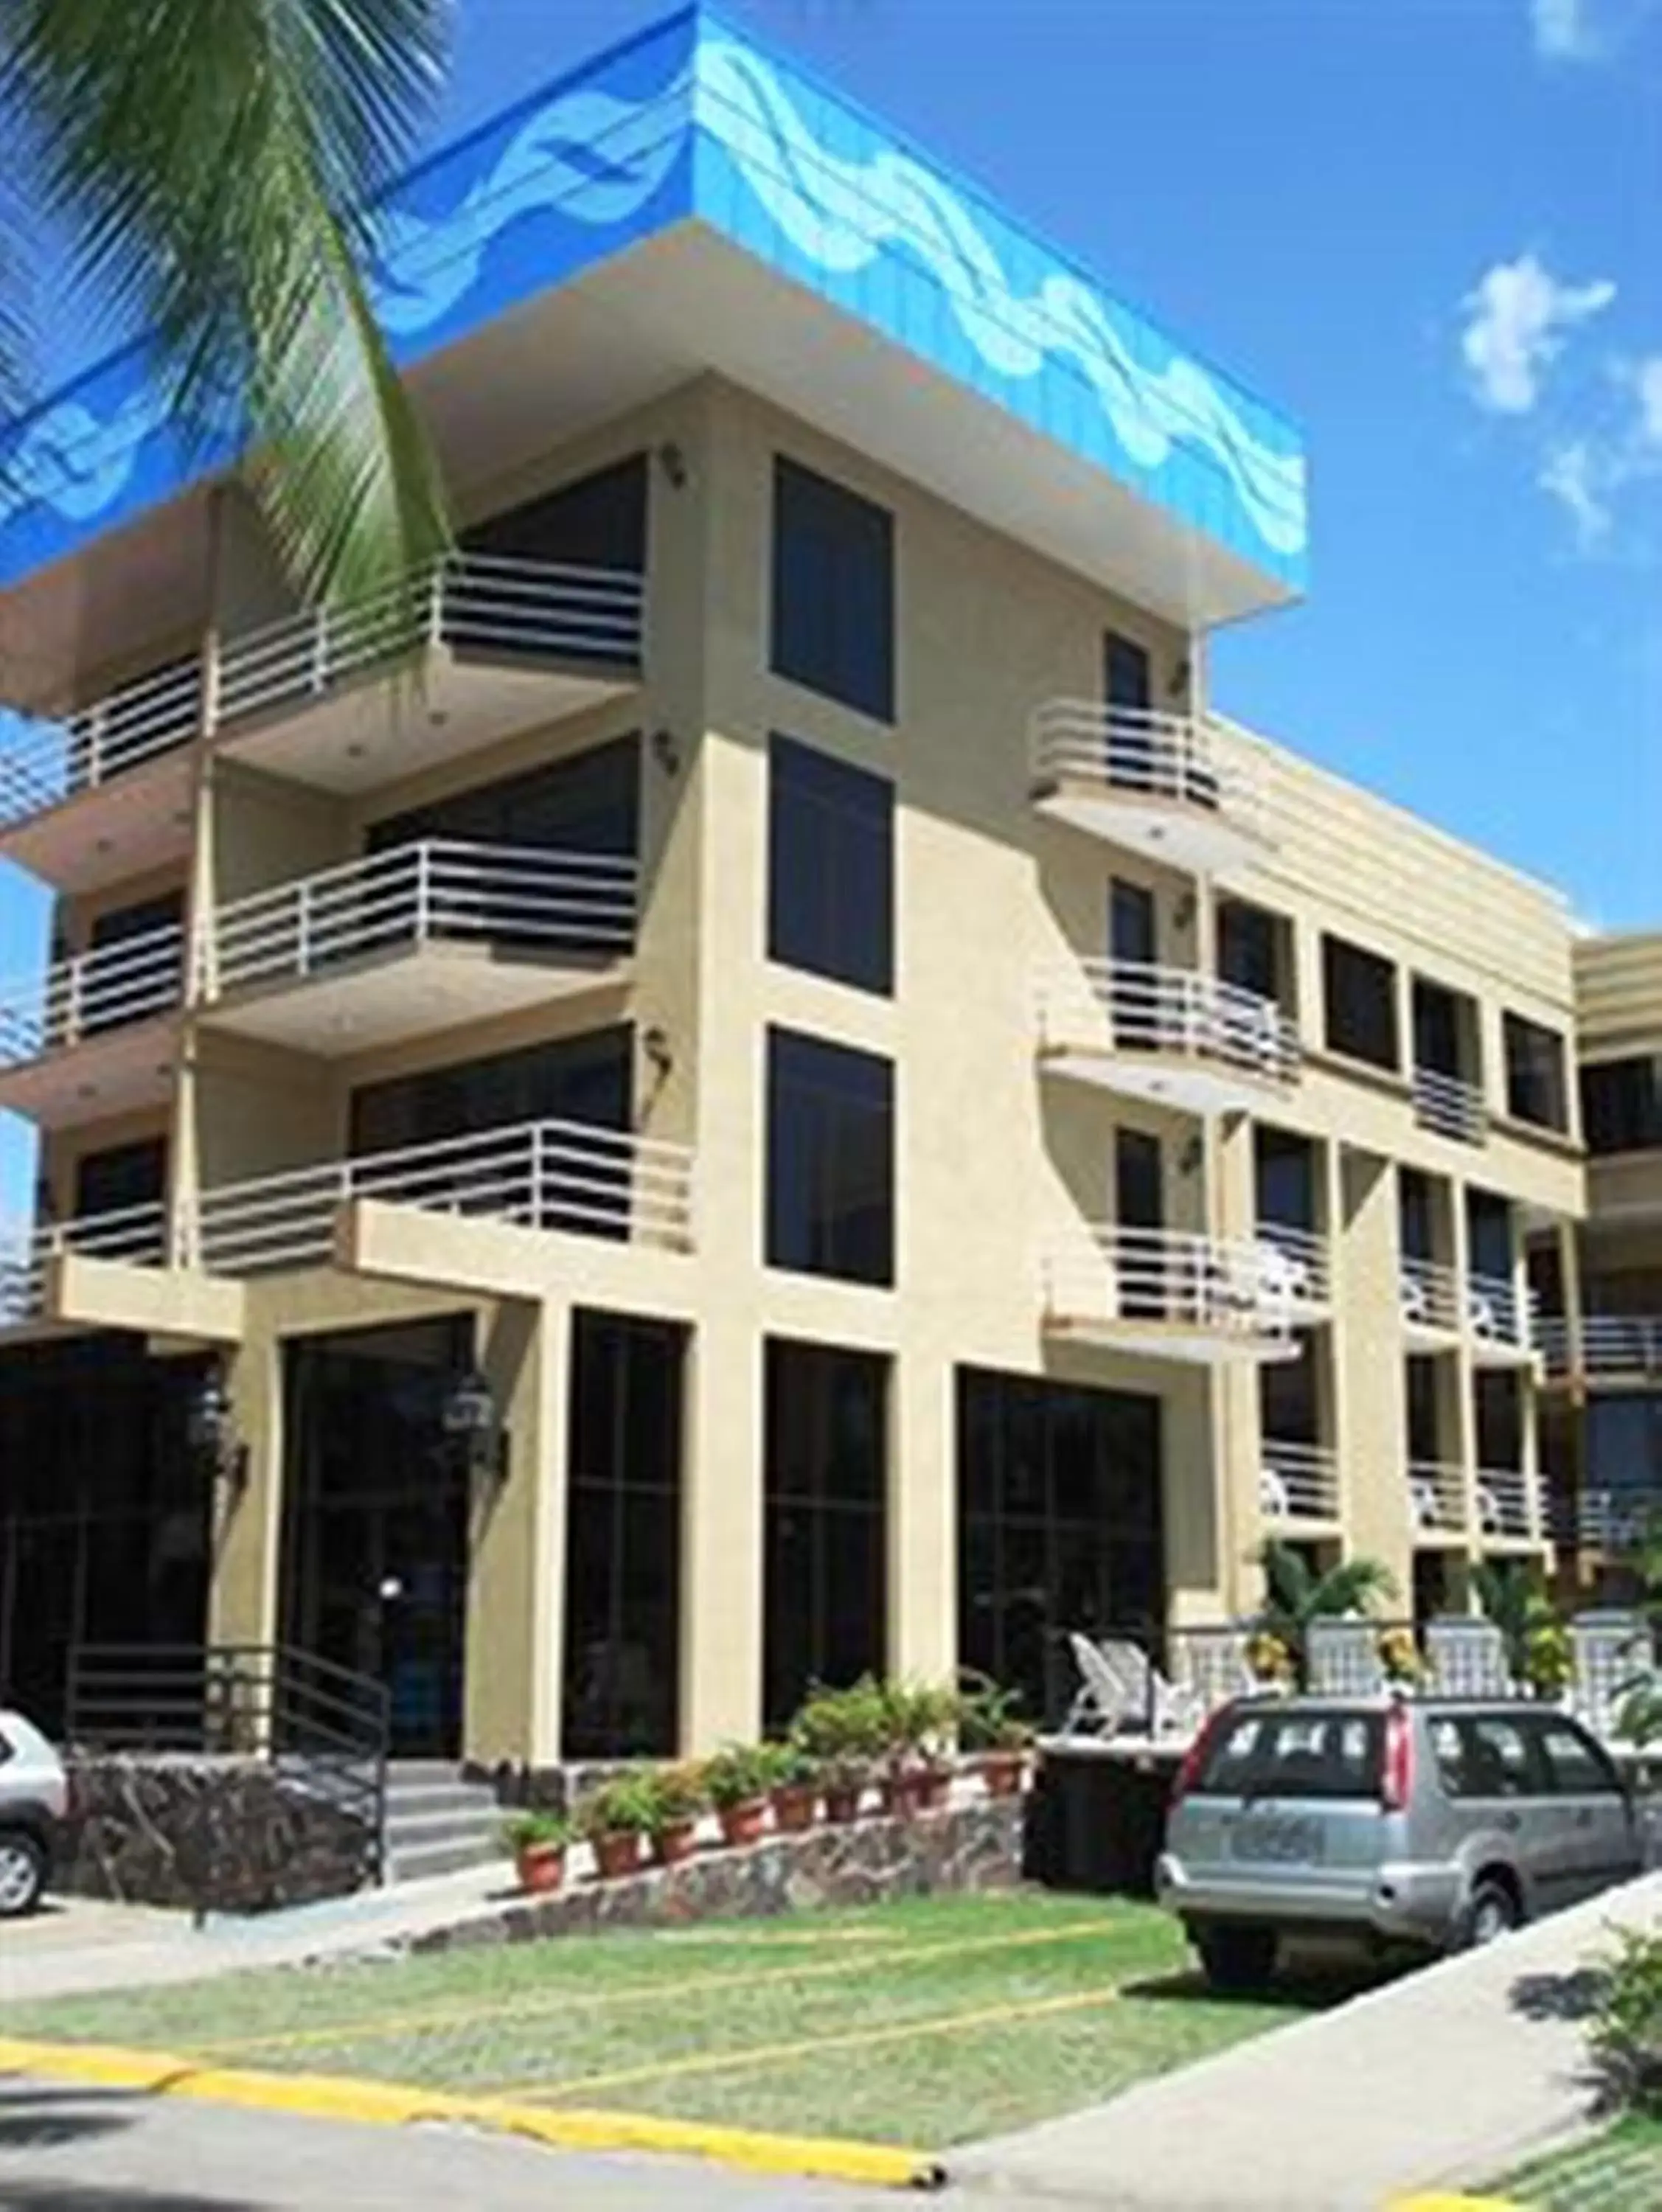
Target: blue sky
[[1428, 229]]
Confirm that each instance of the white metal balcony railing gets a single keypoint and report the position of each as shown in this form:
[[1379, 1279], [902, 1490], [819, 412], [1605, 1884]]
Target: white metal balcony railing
[[1506, 1500], [49, 761], [545, 901], [485, 603], [1497, 1313], [1429, 1294], [1171, 1010], [1605, 1520], [1297, 1481], [552, 1175], [1436, 1498], [1303, 1253], [1234, 1290], [135, 1234], [1142, 754], [108, 987], [1613, 1345], [1450, 1107]]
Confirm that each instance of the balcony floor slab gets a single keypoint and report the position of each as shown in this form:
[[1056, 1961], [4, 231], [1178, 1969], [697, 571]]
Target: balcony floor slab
[[1192, 1085], [127, 1070], [137, 821], [1176, 833]]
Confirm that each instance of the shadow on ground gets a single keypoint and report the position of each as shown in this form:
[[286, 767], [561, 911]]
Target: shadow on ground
[[1574, 1996], [35, 2119]]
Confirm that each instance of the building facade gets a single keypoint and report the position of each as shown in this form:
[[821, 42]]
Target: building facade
[[747, 1081]]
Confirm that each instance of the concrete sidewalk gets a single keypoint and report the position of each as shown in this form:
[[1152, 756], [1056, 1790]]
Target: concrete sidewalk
[[1447, 2078]]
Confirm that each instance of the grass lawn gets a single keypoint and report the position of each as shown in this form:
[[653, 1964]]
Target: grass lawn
[[1619, 2171], [923, 2021]]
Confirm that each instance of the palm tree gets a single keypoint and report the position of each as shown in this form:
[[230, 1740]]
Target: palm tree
[[213, 165], [1295, 1597], [1512, 1595]]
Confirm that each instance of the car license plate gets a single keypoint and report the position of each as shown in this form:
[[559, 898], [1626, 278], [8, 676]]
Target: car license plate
[[1277, 1842]]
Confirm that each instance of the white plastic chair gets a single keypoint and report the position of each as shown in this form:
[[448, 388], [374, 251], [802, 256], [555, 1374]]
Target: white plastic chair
[[1104, 1699]]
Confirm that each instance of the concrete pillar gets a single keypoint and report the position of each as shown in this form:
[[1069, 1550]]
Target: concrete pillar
[[1370, 1408], [1462, 1401], [247, 1523], [923, 1515], [721, 1534]]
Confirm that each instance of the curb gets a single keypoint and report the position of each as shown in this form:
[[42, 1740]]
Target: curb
[[388, 2103]]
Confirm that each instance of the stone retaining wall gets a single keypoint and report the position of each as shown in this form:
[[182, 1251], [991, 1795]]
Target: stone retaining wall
[[227, 1835], [972, 1847]]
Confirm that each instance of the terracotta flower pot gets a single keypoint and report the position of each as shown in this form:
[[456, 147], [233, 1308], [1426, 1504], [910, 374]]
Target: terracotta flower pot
[[935, 1789], [1003, 1772], [744, 1824], [843, 1801], [672, 1844], [898, 1794], [618, 1854], [794, 1804], [540, 1867]]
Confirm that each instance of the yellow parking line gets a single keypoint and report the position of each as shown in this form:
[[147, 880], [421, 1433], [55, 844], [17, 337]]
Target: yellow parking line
[[774, 2054], [389, 2104], [387, 2026]]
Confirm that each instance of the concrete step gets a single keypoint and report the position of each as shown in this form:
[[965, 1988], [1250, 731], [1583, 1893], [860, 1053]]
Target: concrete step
[[422, 1827], [415, 1863], [413, 1800]]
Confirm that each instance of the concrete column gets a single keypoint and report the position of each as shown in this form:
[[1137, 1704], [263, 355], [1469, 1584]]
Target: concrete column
[[1370, 1408], [1235, 1424], [247, 1524], [1463, 1430], [721, 1534], [923, 1515]]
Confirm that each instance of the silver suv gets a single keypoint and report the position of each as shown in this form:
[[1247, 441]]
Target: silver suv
[[1429, 1823], [34, 1798]]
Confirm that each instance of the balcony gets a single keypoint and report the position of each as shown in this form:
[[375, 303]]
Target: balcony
[[1306, 1277], [450, 662], [1429, 1297], [1613, 1348], [1499, 1322], [1450, 1107], [135, 1234], [1605, 1520], [1297, 1484], [106, 793], [1170, 1294], [1507, 1505], [560, 1175], [1149, 782], [422, 938], [1436, 1500], [90, 1037], [1172, 1034]]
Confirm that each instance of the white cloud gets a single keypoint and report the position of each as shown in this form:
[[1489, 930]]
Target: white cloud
[[1519, 317], [1647, 381], [1576, 475], [1563, 30]]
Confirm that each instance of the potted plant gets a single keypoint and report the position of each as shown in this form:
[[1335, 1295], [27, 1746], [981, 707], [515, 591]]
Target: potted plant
[[679, 1794], [793, 1787], [1269, 1661], [991, 1727], [739, 1778], [845, 1732], [539, 1842], [1295, 1596], [918, 1720], [614, 1818], [1399, 1658], [1549, 1657]]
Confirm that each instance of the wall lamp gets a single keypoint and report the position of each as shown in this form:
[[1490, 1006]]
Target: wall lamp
[[674, 462], [655, 1044], [473, 1420], [210, 1432], [666, 752]]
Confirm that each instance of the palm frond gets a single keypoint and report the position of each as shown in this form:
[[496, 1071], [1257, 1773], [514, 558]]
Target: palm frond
[[217, 160], [1352, 1586]]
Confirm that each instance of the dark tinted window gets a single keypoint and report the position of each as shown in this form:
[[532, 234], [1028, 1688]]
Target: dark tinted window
[[623, 1538], [125, 1175], [1489, 1235], [1621, 1104], [1571, 1764], [1534, 1074], [833, 591], [598, 522], [830, 867], [1438, 1019], [1269, 1754], [830, 1159], [588, 804], [1417, 1215], [1248, 938], [584, 1079], [1285, 1169], [1361, 993], [825, 1496], [1126, 675], [1484, 1756]]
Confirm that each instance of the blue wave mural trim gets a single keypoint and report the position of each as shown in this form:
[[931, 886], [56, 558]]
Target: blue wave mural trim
[[690, 120]]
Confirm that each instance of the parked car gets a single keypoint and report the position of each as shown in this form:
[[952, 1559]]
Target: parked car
[[34, 1799], [1431, 1823]]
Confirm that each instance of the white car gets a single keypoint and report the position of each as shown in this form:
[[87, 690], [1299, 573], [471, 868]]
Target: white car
[[34, 1798]]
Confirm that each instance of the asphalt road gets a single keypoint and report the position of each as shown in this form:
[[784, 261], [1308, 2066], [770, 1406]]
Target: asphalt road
[[64, 2149]]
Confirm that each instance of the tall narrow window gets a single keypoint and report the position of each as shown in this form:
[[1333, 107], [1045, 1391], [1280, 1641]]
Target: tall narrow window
[[1536, 1089], [830, 1159], [623, 1538], [824, 1496], [833, 591], [1621, 1104], [1249, 947], [1126, 675], [1360, 991], [830, 867]]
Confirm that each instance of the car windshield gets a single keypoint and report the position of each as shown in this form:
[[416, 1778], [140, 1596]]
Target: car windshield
[[1293, 1754]]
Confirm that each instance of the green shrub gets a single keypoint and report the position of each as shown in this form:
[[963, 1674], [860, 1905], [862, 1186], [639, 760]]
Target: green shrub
[[627, 1806], [789, 1765], [678, 1793], [847, 1731], [1627, 2029], [528, 1831], [738, 1774], [919, 1718], [988, 1719]]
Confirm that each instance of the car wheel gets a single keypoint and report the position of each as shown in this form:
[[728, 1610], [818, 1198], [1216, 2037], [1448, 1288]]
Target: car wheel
[[1492, 1911], [1237, 1959], [22, 1873]]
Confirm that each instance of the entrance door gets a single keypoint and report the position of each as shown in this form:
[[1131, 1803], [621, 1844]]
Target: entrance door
[[1131, 949], [1127, 691], [1140, 1214], [375, 1517]]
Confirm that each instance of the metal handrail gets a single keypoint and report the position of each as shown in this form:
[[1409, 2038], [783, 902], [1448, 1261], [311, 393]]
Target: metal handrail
[[551, 1174], [1150, 1008], [1609, 1344], [1142, 752], [468, 602], [135, 1234], [326, 1727], [51, 760], [1497, 1311], [1297, 1481], [1506, 1502], [1428, 1293], [582, 903], [1605, 1520], [1308, 1262], [106, 988], [1449, 1106], [1436, 1495], [1231, 1288]]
